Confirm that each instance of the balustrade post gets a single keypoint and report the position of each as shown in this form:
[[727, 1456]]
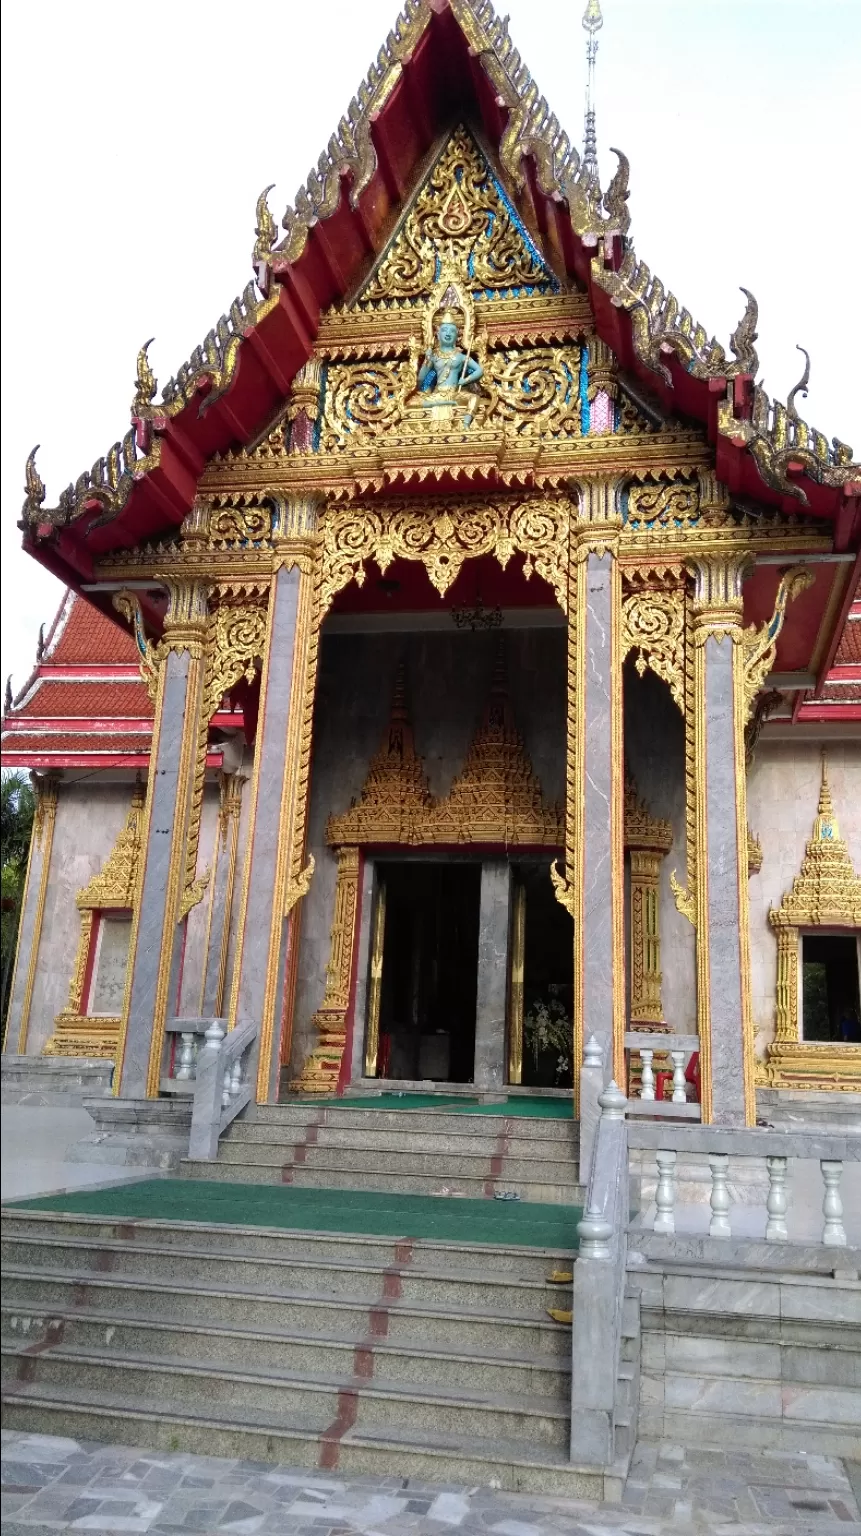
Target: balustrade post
[[186, 1058], [680, 1095], [665, 1194], [833, 1231], [719, 1225], [647, 1079], [776, 1204]]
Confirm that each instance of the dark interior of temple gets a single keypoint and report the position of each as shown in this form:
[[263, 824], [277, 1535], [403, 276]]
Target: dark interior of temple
[[430, 970], [829, 968]]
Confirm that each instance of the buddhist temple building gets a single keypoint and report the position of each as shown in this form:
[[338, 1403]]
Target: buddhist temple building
[[460, 660]]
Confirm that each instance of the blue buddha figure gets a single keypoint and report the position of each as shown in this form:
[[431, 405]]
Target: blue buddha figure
[[446, 371]]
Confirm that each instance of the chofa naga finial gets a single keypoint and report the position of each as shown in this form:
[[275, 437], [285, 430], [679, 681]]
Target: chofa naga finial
[[146, 382], [265, 230], [34, 486], [801, 386]]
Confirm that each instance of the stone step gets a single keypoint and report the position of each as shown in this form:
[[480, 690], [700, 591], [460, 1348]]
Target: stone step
[[358, 1281], [441, 1164], [435, 1122], [313, 1355], [391, 1318], [53, 1080], [317, 1401], [327, 1247], [114, 1418], [404, 1139], [807, 1437], [366, 1177]]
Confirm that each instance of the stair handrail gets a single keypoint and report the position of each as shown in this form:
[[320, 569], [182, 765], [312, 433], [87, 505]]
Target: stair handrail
[[599, 1288], [221, 1088]]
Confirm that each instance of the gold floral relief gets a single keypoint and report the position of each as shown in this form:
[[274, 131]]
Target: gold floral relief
[[460, 210], [536, 526]]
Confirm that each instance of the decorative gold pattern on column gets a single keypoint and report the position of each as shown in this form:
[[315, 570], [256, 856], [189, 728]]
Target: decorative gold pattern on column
[[826, 893], [235, 640], [41, 842], [321, 1070], [375, 987], [648, 840], [114, 888], [515, 994], [716, 611]]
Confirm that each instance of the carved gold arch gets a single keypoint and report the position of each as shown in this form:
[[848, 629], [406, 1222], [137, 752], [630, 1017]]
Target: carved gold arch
[[114, 888], [826, 893], [535, 525]]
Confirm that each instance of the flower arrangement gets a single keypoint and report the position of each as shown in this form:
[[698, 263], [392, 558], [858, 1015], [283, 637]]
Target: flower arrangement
[[547, 1027]]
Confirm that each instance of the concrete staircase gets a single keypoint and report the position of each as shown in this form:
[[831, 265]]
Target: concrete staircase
[[369, 1354], [423, 1151]]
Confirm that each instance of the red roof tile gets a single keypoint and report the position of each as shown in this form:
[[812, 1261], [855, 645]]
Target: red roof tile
[[80, 741], [849, 648], [89, 636], [87, 700]]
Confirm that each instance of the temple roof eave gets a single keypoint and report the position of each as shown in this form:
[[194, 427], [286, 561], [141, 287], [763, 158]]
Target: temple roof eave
[[341, 218]]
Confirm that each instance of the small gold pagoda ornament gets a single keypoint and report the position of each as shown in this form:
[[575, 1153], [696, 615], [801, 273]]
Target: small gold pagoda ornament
[[826, 893]]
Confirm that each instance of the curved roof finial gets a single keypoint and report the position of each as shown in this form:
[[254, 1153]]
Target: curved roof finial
[[593, 21]]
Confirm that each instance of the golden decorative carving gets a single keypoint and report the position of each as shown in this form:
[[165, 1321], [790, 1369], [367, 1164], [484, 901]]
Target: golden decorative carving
[[563, 889], [299, 886], [662, 507], [150, 655], [146, 382], [515, 991], [826, 893], [654, 623], [536, 526], [322, 1068], [375, 985], [235, 644], [754, 853], [114, 888], [266, 231], [601, 370], [496, 799], [461, 210], [648, 840], [760, 645]]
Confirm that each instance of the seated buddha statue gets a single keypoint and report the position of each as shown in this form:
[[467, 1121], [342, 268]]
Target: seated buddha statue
[[447, 376]]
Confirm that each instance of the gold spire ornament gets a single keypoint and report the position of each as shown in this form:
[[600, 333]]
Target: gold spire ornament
[[593, 21]]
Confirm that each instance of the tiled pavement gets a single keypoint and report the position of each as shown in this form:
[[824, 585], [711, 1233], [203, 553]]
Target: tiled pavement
[[56, 1485]]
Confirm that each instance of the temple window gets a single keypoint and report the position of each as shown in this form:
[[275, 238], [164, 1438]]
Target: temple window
[[109, 961], [830, 988]]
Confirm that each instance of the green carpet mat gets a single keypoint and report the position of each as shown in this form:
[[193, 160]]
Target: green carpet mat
[[538, 1108], [369, 1213]]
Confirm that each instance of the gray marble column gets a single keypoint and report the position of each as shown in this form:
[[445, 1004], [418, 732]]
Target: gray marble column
[[492, 991], [599, 945], [723, 1004], [32, 908], [720, 873], [154, 959], [259, 967]]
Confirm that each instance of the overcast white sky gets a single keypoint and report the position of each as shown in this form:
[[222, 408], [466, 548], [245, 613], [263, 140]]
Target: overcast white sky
[[137, 138]]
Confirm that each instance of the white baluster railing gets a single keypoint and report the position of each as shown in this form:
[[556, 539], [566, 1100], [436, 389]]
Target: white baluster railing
[[680, 1049], [221, 1088], [188, 1036], [753, 1152]]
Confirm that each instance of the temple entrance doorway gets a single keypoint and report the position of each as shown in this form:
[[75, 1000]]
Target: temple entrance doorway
[[428, 983], [541, 999]]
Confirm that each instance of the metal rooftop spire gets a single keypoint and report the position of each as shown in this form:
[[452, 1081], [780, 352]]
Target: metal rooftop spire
[[593, 21]]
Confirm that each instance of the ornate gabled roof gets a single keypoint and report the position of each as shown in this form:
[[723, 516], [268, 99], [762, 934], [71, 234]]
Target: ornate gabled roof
[[443, 60], [84, 705]]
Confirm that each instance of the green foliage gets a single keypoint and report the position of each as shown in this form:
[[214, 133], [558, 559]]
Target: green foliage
[[17, 804]]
